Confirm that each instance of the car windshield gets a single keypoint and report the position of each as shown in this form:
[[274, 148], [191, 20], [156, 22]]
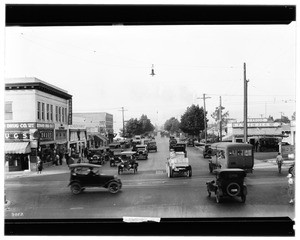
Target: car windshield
[[87, 170]]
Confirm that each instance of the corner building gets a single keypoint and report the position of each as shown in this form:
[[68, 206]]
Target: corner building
[[37, 115]]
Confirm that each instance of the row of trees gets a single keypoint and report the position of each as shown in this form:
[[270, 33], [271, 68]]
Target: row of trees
[[136, 126]]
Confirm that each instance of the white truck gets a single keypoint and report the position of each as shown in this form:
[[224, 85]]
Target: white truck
[[178, 163]]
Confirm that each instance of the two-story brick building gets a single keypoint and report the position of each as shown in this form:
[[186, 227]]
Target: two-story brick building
[[37, 115]]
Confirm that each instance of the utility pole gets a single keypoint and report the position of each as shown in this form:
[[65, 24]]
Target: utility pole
[[245, 106], [205, 123], [220, 116], [123, 120]]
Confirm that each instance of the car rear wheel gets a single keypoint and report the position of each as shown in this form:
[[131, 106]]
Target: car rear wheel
[[113, 187], [75, 188], [243, 197]]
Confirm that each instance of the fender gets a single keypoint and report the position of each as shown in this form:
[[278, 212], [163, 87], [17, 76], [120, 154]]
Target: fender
[[112, 180], [74, 181]]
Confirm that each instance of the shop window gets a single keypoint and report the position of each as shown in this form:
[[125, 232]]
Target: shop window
[[56, 113], [8, 111], [39, 111], [48, 111], [59, 114], [63, 115], [51, 112], [43, 111]]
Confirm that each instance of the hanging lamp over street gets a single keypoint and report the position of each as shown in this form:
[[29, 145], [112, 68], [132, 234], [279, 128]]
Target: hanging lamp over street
[[152, 71]]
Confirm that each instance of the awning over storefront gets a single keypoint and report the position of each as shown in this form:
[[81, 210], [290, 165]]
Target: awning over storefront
[[17, 148], [100, 137]]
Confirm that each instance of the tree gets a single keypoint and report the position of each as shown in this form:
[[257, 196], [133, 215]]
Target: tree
[[294, 116], [283, 119], [138, 127], [172, 125], [192, 121], [216, 115]]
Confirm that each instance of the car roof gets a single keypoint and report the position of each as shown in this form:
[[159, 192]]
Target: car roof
[[75, 165]]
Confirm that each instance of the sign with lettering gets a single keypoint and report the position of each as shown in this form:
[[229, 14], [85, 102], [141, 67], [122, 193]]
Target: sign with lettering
[[70, 112], [11, 135], [20, 125], [46, 135], [45, 125], [256, 124]]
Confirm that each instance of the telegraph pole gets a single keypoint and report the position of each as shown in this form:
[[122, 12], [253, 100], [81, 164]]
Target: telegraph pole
[[245, 106], [205, 123], [123, 120], [220, 116]]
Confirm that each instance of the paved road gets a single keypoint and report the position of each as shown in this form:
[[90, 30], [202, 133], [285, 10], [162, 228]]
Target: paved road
[[148, 194]]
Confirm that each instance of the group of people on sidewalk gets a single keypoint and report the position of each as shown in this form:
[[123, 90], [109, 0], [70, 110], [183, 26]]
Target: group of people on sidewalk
[[290, 176]]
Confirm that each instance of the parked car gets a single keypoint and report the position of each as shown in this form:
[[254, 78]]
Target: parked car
[[190, 142], [228, 183], [97, 159], [207, 151], [142, 152], [151, 146], [85, 175], [128, 162], [178, 163]]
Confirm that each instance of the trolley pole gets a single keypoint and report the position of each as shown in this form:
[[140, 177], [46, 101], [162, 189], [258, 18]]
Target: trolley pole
[[205, 123]]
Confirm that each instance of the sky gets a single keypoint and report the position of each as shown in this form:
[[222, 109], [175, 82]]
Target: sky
[[106, 68]]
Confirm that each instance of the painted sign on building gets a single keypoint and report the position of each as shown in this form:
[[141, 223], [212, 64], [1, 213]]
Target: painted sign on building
[[17, 135], [256, 124], [70, 112]]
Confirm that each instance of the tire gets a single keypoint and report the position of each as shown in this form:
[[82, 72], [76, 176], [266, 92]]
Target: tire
[[243, 197], [113, 187], [75, 188], [171, 172], [233, 184]]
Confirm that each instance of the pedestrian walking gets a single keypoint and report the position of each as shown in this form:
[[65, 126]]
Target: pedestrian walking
[[291, 187], [279, 161], [256, 145], [39, 165], [67, 158], [60, 158]]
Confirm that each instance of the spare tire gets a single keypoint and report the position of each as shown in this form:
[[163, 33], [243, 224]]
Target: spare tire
[[233, 189]]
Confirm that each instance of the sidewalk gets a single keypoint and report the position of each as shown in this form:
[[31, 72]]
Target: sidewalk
[[48, 170]]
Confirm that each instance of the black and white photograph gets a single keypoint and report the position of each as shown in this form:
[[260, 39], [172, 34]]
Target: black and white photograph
[[148, 118]]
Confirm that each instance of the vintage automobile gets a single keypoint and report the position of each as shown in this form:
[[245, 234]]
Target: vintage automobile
[[172, 143], [128, 162], [97, 159], [151, 146], [115, 159], [207, 151], [102, 152], [231, 155], [85, 175], [228, 183], [190, 142], [134, 143], [179, 147], [178, 163], [141, 151]]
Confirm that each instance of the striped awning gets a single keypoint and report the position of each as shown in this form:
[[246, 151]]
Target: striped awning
[[17, 148]]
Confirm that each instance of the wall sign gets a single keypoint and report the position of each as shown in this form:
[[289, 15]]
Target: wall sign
[[70, 112], [17, 135]]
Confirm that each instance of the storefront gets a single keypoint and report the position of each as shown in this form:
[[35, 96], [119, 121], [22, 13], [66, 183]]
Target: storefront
[[17, 156], [77, 140]]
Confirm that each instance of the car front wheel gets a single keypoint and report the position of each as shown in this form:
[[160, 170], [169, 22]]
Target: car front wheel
[[113, 187], [75, 188]]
